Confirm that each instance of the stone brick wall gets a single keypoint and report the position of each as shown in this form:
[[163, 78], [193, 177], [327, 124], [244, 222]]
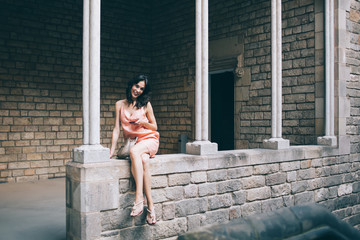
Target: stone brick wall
[[40, 73], [194, 191], [41, 79], [173, 70], [353, 84]]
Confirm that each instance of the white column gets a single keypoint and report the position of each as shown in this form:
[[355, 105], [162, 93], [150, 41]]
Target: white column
[[86, 66], [202, 145], [276, 141], [198, 49], [205, 71], [94, 99], [91, 151], [329, 138]]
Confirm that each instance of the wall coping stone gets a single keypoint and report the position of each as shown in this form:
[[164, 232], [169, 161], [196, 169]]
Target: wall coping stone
[[184, 163]]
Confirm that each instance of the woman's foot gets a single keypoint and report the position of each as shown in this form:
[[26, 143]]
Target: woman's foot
[[137, 209], [151, 218]]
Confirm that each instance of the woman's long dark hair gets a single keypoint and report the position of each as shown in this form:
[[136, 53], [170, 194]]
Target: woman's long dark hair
[[144, 98]]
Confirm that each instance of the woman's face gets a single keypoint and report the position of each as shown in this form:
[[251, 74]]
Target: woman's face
[[137, 89]]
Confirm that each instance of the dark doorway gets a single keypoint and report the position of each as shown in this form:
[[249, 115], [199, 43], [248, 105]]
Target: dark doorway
[[222, 109]]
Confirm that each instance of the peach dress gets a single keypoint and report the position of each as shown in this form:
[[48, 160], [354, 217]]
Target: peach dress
[[149, 137]]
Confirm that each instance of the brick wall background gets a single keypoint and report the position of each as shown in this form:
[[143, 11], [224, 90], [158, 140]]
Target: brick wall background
[[353, 60], [41, 79], [41, 72]]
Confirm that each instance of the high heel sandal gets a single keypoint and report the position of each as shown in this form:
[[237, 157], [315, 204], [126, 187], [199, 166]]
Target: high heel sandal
[[137, 209], [151, 218]]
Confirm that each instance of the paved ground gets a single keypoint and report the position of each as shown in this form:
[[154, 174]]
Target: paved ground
[[33, 211]]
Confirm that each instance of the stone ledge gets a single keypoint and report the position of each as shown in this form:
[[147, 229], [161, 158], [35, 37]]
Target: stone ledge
[[183, 163]]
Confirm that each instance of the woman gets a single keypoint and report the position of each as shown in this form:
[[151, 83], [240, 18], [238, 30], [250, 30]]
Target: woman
[[137, 120]]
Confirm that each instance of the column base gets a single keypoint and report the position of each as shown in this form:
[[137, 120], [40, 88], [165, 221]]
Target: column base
[[276, 143], [201, 148], [91, 154], [327, 140]]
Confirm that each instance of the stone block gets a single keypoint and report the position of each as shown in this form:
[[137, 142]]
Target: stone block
[[291, 176], [266, 169], [206, 189], [276, 143], [228, 186], [332, 181], [159, 195], [280, 190], [258, 194], [306, 174], [83, 226], [159, 181], [191, 191], [198, 177], [217, 175], [275, 179], [116, 219], [219, 201], [321, 194], [177, 163], [300, 186], [174, 193], [239, 197], [179, 179], [166, 229], [91, 154], [290, 166], [315, 183], [191, 206], [126, 200], [304, 198], [240, 172], [250, 209], [217, 216], [253, 182], [345, 189], [94, 196], [140, 232], [124, 185], [201, 148], [168, 211], [356, 187]]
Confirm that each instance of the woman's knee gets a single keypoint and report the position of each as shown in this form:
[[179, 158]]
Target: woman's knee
[[145, 160]]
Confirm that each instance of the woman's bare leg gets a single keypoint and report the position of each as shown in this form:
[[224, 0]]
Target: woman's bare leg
[[137, 169], [147, 181]]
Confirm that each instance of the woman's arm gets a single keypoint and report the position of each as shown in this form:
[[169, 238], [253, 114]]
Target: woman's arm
[[152, 125], [116, 130]]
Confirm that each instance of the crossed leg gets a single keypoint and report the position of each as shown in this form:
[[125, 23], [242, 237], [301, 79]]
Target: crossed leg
[[139, 155]]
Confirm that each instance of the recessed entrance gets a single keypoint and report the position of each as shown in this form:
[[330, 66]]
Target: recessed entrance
[[222, 109]]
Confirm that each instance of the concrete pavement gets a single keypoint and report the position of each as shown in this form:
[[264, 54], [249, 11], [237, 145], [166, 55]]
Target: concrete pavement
[[33, 211]]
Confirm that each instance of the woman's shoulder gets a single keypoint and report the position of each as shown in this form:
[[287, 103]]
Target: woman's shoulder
[[120, 103]]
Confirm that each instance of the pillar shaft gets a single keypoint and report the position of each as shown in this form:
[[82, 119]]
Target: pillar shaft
[[85, 87], [94, 87], [91, 151], [201, 145], [198, 81], [276, 141], [205, 71], [329, 138]]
